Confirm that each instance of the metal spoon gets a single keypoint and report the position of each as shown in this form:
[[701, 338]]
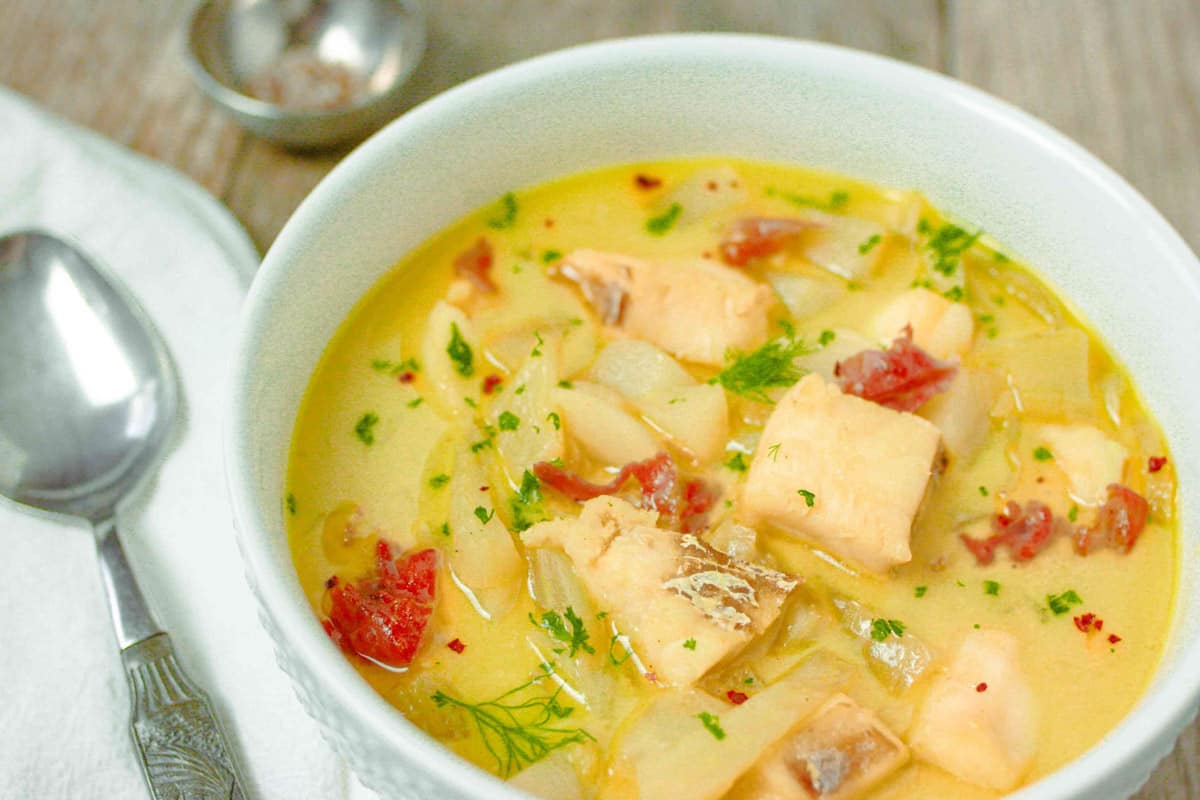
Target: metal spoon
[[88, 398]]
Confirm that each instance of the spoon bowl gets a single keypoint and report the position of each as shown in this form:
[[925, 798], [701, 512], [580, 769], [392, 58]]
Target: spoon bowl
[[88, 400], [89, 396]]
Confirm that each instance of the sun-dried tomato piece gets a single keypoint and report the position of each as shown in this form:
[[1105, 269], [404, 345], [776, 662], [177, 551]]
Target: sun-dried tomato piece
[[759, 237], [1024, 531], [1119, 522], [383, 618], [475, 264], [902, 377], [684, 507]]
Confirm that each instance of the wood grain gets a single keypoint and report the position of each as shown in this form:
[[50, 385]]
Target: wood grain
[[1120, 76]]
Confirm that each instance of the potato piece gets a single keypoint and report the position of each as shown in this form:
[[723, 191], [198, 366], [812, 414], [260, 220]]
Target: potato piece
[[706, 191], [552, 777], [662, 588], [941, 327], [978, 721], [840, 752], [595, 418], [694, 416], [668, 754], [897, 661], [805, 295], [1047, 373], [844, 473], [1090, 460], [453, 380], [530, 397], [963, 414], [837, 245], [696, 310], [483, 558]]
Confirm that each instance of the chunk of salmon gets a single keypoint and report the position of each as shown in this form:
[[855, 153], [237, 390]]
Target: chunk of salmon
[[846, 474], [839, 753], [696, 310], [978, 721], [941, 327], [663, 588], [1090, 460]]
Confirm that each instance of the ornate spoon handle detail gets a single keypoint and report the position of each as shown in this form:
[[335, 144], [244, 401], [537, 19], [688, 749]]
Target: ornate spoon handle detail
[[184, 753]]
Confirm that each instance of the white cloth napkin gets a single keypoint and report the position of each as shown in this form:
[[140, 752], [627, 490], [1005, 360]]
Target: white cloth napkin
[[64, 706]]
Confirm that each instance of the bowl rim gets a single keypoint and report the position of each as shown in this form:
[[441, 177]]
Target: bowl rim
[[1137, 739], [236, 100]]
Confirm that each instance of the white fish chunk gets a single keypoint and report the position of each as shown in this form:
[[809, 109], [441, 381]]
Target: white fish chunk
[[1090, 460], [841, 472], [663, 589], [940, 327], [696, 310], [978, 721]]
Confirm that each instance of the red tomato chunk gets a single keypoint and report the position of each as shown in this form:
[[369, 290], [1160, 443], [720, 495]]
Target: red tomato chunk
[[383, 618], [759, 237], [902, 377], [475, 264]]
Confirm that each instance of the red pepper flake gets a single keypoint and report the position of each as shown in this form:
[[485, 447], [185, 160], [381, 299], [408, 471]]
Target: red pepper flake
[[1113, 638], [406, 377], [457, 646], [1156, 463], [490, 383], [647, 181], [483, 488], [651, 676], [981, 687], [332, 582], [736, 697]]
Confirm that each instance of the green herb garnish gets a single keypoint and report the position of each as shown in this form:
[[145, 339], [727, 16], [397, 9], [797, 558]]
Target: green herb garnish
[[395, 367], [825, 338], [1042, 454], [920, 591], [526, 504], [809, 497], [568, 629], [992, 588], [946, 246], [445, 529], [364, 429], [837, 200], [291, 503], [517, 727], [773, 451], [1061, 603], [881, 629], [983, 490], [508, 213], [737, 463], [659, 225], [690, 644], [460, 352], [415, 402], [438, 481], [1073, 514], [484, 515], [554, 420], [768, 367], [550, 255], [712, 724], [869, 244], [508, 421]]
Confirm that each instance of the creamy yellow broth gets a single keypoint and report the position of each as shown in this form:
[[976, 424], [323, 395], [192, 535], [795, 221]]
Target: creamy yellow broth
[[344, 492]]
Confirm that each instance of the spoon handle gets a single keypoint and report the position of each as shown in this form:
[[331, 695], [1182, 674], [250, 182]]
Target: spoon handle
[[182, 747], [183, 751]]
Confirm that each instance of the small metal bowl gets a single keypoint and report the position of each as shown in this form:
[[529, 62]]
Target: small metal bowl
[[306, 73]]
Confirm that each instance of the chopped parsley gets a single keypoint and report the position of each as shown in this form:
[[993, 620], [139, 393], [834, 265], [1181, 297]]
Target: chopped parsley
[[445, 529], [415, 402], [1073, 514], [518, 727], [768, 367], [1042, 454], [809, 497], [566, 385], [920, 591], [438, 481], [526, 504], [612, 643], [550, 255], [554, 420], [955, 293], [484, 515], [992, 588], [946, 246], [364, 429], [460, 352], [869, 244], [737, 463], [659, 225], [690, 644], [712, 724], [395, 367], [482, 444], [568, 629], [983, 490], [1060, 604], [508, 421], [507, 216], [881, 629], [773, 451], [825, 338], [291, 503], [837, 200]]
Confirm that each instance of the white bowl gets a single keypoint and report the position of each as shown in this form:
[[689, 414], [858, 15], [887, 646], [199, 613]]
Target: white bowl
[[1044, 197]]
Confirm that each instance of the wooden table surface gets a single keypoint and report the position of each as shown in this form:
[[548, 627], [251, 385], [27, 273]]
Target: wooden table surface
[[1120, 76]]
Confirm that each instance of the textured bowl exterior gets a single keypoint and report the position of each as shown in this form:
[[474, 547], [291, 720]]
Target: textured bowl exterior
[[1088, 232]]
